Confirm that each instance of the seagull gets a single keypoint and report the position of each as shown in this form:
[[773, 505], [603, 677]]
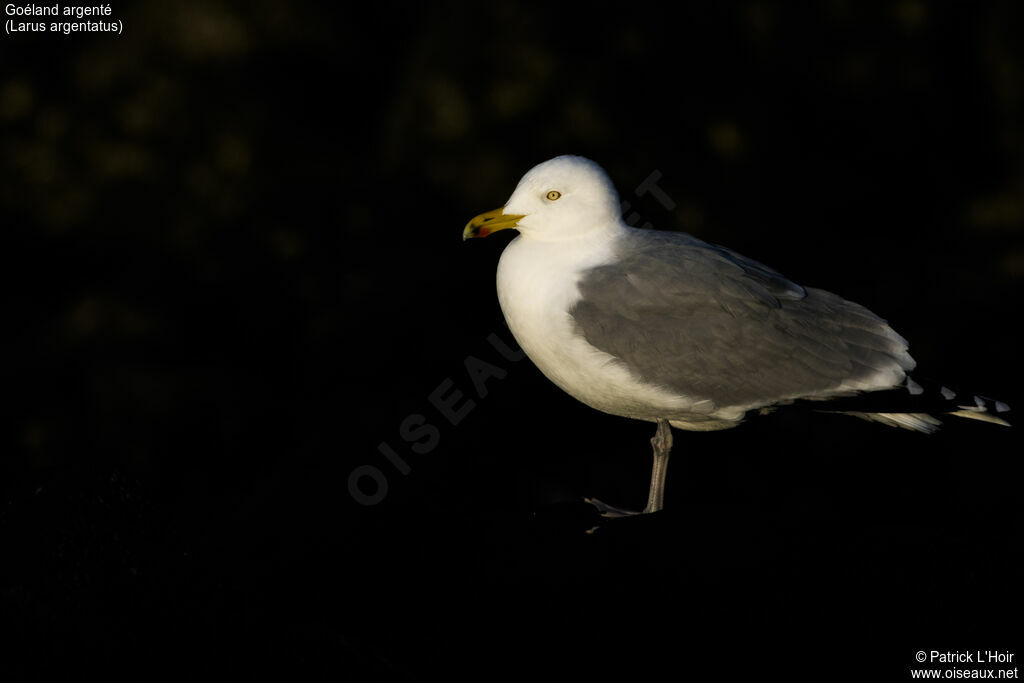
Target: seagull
[[663, 327]]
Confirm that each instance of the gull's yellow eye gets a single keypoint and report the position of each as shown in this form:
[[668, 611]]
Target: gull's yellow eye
[[554, 194]]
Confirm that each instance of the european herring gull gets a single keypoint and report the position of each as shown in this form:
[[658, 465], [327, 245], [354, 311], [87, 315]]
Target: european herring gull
[[663, 327]]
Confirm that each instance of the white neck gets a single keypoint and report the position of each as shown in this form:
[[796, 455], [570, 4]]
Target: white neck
[[597, 233]]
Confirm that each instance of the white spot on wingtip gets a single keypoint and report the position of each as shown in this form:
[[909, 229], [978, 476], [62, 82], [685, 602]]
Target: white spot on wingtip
[[913, 387], [1002, 407], [948, 393]]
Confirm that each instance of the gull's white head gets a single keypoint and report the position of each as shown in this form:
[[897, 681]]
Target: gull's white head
[[562, 198]]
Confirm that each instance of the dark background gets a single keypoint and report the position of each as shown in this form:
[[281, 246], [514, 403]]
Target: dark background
[[232, 267]]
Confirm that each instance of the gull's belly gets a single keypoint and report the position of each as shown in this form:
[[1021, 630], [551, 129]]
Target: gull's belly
[[536, 290]]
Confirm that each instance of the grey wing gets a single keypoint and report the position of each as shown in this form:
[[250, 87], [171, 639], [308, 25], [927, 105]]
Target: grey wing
[[710, 324]]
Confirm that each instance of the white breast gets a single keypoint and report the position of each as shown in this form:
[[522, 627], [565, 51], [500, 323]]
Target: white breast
[[537, 286]]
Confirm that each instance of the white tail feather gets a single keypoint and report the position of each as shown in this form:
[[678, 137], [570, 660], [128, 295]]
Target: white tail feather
[[920, 422], [981, 415]]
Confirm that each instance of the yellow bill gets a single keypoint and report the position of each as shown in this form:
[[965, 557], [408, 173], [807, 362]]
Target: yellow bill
[[487, 223]]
